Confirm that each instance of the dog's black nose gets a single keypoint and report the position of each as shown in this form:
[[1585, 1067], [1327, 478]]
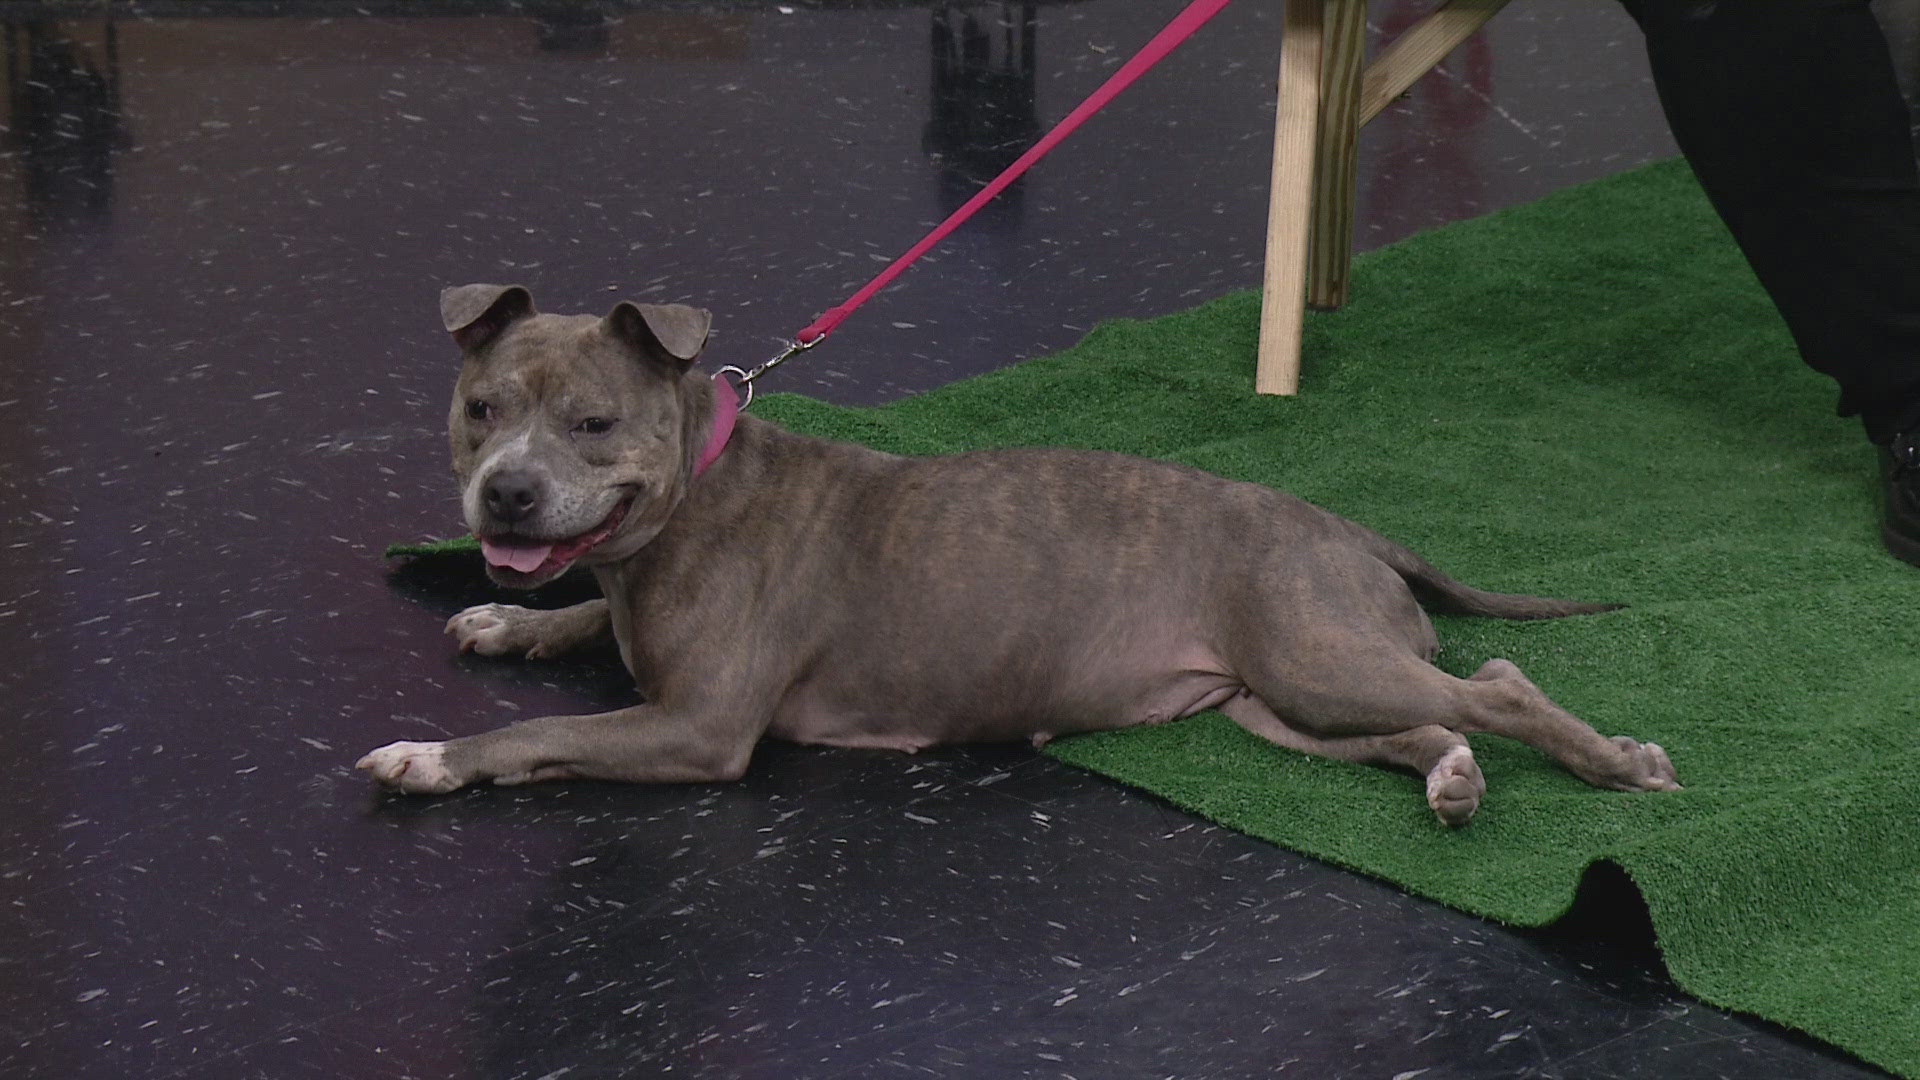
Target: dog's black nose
[[512, 495]]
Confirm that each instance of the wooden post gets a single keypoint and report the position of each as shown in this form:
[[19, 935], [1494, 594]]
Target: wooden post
[[1336, 153], [1290, 197], [1326, 96]]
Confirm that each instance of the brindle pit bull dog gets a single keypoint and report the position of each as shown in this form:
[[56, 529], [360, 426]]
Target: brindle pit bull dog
[[760, 582]]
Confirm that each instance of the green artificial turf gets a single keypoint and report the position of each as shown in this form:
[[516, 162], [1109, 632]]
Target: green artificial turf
[[1591, 397], [453, 545]]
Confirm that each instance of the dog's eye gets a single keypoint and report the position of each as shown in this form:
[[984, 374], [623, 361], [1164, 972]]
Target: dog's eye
[[593, 425], [479, 410]]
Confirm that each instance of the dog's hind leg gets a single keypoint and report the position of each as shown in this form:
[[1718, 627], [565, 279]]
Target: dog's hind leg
[[1454, 782], [1503, 701], [1377, 691]]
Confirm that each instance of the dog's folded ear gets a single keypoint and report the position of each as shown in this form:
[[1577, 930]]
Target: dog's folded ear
[[476, 314], [674, 333]]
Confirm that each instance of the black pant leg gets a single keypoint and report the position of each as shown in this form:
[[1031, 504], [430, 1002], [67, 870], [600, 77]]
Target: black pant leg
[[1790, 114]]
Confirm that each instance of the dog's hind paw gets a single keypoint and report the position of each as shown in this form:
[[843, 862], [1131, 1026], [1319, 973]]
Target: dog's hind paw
[[1647, 767], [1454, 786], [416, 767]]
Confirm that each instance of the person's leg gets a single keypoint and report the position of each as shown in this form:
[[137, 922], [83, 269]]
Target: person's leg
[[1901, 460], [1790, 115]]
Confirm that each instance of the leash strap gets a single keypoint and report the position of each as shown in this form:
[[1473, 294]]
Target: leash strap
[[1177, 31]]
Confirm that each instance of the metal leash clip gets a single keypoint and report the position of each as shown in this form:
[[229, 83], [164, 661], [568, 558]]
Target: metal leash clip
[[746, 377]]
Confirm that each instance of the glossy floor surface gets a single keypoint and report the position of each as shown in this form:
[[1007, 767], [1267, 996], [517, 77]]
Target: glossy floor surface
[[222, 391]]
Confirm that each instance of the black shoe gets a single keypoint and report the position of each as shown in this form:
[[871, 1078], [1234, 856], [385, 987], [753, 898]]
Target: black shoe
[[1901, 533]]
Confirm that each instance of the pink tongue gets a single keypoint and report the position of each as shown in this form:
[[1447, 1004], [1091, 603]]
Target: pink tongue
[[525, 558]]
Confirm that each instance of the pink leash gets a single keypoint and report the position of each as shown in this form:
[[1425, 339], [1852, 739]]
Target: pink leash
[[1180, 29], [1177, 31]]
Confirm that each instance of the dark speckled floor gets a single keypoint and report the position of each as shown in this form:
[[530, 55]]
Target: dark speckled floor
[[222, 229]]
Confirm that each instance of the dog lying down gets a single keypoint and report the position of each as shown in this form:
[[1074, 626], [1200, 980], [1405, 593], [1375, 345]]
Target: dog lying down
[[760, 582]]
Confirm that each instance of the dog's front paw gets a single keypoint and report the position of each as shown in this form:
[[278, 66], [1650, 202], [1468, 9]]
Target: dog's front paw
[[416, 767], [493, 630]]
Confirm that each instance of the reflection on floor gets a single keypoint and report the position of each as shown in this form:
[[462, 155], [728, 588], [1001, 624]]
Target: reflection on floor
[[222, 229]]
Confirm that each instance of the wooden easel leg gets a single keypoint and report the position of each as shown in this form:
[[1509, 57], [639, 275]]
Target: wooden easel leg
[[1290, 198], [1336, 154]]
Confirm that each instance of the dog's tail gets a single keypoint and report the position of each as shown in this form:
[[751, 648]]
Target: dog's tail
[[1442, 595]]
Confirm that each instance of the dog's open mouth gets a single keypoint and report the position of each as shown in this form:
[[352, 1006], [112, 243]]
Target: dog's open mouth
[[535, 557]]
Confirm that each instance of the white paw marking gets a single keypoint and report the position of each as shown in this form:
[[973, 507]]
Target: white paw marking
[[1455, 762], [411, 766], [487, 629], [1457, 806], [1649, 768], [1663, 777]]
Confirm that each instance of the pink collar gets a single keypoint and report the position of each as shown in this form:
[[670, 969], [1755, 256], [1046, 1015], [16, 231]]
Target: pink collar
[[726, 407]]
